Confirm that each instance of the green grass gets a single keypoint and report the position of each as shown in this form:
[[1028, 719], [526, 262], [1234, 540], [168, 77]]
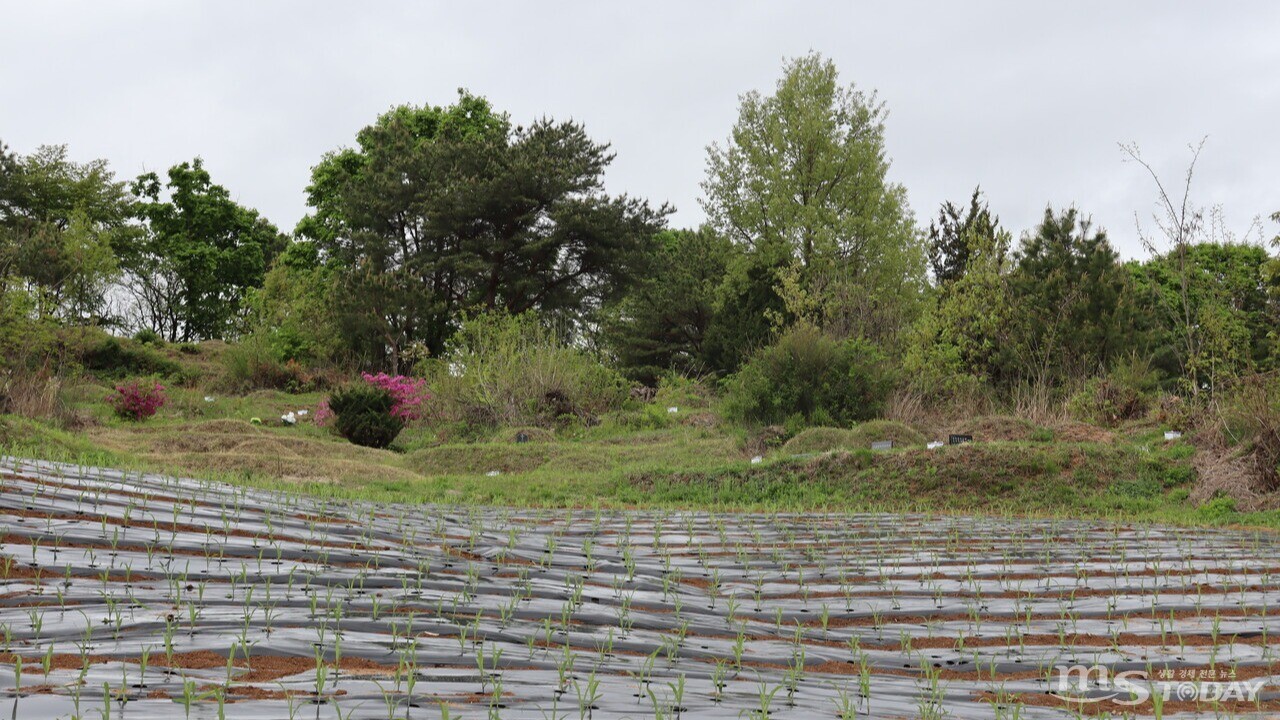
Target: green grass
[[860, 437], [680, 448], [1141, 480], [28, 438], [641, 456]]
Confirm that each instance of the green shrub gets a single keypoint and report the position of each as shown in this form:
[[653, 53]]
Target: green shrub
[[1174, 412], [1106, 402], [1123, 394], [252, 364], [510, 370], [147, 336], [24, 342], [111, 357], [1217, 510], [648, 408], [675, 390], [649, 416], [362, 414], [808, 378]]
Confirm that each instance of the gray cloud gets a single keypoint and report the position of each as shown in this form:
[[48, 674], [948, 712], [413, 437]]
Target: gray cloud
[[1027, 99]]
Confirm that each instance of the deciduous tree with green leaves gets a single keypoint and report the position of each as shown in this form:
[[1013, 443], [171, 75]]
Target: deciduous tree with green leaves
[[1271, 271], [197, 256], [1227, 293], [59, 220], [961, 344], [804, 175], [294, 310]]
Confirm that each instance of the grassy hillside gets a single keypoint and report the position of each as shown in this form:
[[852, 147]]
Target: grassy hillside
[[640, 456], [1140, 477]]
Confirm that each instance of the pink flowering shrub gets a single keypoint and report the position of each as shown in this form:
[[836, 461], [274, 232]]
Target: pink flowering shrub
[[323, 415], [137, 400], [410, 394]]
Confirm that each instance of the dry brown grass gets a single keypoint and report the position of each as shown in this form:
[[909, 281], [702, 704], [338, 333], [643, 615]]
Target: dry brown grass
[[1040, 404], [1229, 472], [1006, 428], [910, 407], [31, 395], [1239, 445], [38, 396], [239, 447], [1076, 431], [1028, 405]]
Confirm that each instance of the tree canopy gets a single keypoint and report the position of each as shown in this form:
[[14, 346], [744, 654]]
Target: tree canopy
[[59, 220], [197, 255], [950, 241], [803, 177], [442, 211], [809, 293], [668, 320], [1070, 293]]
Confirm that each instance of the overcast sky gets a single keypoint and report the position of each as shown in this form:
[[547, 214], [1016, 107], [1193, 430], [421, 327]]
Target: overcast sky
[[1027, 99]]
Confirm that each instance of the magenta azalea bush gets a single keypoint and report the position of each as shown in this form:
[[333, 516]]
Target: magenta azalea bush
[[324, 414], [137, 400], [410, 394]]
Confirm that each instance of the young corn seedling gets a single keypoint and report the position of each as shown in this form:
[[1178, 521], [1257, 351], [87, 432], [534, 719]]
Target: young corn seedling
[[588, 694], [764, 699]]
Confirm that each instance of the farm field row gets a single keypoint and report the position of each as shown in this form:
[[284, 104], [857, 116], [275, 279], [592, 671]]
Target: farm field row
[[133, 595]]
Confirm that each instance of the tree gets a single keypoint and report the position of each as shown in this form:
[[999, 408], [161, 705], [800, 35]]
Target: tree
[[58, 222], [197, 256], [1226, 289], [1181, 225], [949, 240], [293, 311], [962, 342], [1069, 291], [1271, 271], [442, 211], [749, 309], [804, 176], [1271, 280], [9, 169], [663, 322]]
